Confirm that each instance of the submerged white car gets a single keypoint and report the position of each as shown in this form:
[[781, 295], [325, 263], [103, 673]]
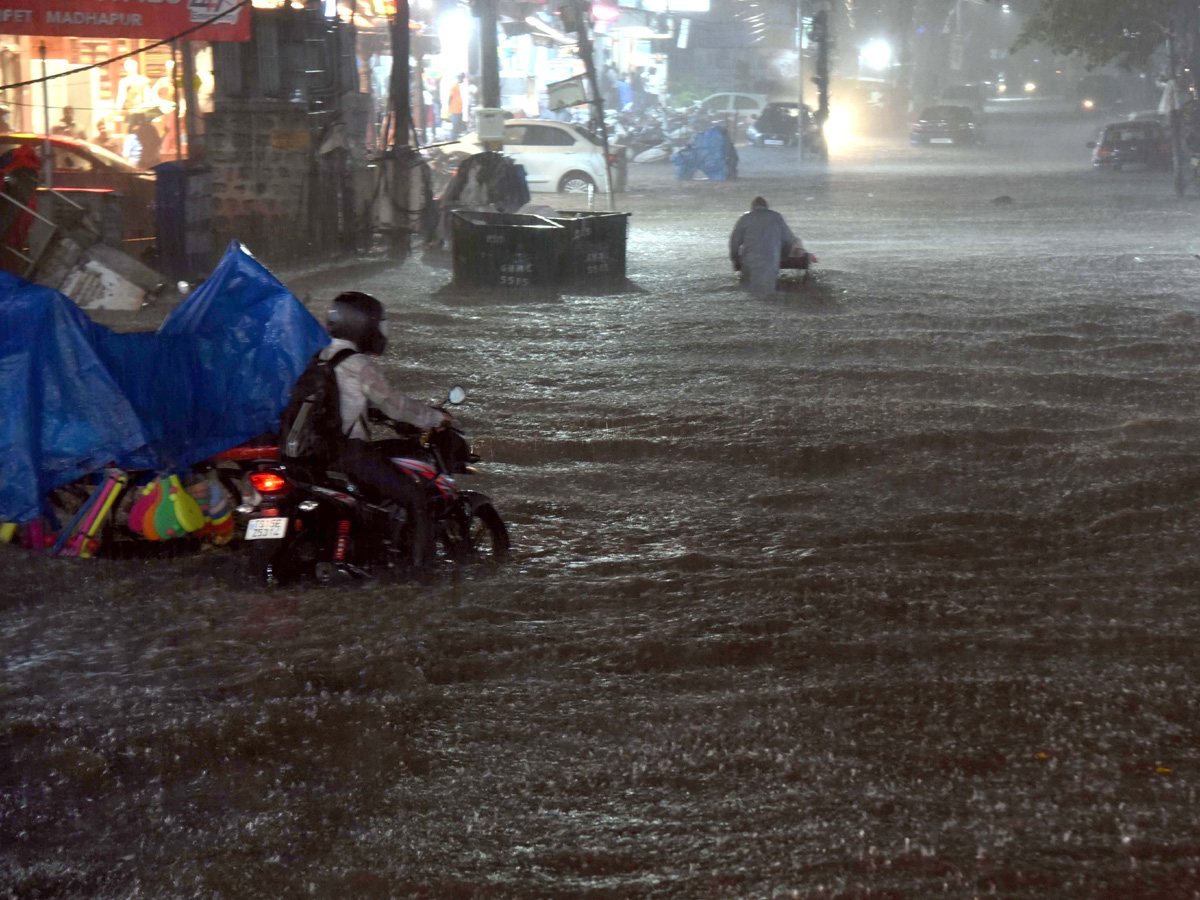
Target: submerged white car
[[557, 156]]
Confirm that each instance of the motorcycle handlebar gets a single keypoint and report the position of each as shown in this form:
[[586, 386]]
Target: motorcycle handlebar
[[403, 429]]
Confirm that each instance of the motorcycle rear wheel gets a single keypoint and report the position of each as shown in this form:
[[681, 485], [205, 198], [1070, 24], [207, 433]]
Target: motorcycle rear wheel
[[277, 563]]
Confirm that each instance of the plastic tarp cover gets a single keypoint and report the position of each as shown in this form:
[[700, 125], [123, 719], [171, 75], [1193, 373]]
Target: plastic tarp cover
[[63, 413], [221, 367], [217, 373], [712, 152]]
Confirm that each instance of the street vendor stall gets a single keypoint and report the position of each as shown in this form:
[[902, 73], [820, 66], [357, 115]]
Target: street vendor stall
[[80, 398]]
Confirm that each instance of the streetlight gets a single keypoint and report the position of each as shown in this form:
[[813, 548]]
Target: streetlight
[[876, 54]]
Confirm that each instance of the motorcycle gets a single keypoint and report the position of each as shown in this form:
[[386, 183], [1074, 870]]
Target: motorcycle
[[306, 521]]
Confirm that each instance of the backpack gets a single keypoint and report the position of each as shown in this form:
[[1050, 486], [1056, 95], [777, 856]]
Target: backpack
[[311, 424]]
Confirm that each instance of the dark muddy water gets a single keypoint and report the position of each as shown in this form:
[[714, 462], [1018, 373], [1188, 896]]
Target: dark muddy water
[[881, 587]]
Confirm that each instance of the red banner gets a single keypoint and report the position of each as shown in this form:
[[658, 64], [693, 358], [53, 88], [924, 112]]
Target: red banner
[[146, 19]]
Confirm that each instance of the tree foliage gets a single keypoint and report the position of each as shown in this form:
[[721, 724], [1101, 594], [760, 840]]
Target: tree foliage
[[1125, 32]]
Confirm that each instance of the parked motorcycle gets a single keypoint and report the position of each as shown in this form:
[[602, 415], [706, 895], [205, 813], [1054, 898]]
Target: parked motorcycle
[[676, 132], [305, 521]]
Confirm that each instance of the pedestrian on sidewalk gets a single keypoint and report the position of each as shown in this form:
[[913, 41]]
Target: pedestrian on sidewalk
[[454, 106]]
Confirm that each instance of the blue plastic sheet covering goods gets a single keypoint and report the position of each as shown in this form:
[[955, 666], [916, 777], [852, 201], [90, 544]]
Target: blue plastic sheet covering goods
[[76, 396], [711, 152]]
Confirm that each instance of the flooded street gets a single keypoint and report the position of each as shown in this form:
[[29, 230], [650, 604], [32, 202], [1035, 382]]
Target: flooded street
[[881, 587]]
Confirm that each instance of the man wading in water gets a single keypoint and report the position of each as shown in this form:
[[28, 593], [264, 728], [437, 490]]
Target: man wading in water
[[759, 241]]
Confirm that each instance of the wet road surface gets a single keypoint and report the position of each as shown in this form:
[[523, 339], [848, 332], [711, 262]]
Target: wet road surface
[[883, 586]]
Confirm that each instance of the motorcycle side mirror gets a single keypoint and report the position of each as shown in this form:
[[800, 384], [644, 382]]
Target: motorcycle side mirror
[[457, 395]]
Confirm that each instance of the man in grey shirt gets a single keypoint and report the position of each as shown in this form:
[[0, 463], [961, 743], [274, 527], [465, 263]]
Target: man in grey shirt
[[358, 325], [758, 242]]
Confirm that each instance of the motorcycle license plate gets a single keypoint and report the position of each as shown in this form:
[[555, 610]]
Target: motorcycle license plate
[[775, 143], [266, 529]]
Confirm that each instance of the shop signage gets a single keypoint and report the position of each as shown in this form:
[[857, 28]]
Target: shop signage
[[146, 19], [562, 94]]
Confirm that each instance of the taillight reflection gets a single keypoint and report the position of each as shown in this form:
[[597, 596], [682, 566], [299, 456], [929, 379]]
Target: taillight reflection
[[267, 482]]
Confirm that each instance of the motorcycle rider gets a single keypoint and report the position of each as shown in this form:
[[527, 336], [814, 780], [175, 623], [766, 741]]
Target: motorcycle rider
[[758, 242], [358, 322]]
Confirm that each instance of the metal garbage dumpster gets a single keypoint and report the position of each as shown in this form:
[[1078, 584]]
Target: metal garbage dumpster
[[595, 251], [506, 250]]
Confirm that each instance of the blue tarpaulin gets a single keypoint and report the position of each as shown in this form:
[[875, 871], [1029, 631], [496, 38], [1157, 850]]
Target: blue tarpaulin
[[76, 396], [711, 152], [62, 415]]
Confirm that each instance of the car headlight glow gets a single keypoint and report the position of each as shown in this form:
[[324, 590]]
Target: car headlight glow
[[839, 127]]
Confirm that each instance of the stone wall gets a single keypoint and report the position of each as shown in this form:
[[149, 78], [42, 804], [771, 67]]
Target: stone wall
[[261, 158]]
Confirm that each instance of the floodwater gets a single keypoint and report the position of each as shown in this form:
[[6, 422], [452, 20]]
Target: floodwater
[[882, 587]]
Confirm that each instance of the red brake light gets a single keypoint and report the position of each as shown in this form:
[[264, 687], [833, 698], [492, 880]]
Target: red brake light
[[1104, 150], [267, 482]]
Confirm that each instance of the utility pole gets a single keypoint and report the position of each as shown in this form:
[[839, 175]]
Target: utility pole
[[175, 90], [800, 77], [489, 62], [47, 157], [190, 101], [404, 196], [1180, 164], [422, 112], [820, 31], [579, 13], [401, 76]]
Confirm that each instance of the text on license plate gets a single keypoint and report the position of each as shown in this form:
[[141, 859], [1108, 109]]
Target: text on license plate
[[774, 143], [266, 529], [941, 140]]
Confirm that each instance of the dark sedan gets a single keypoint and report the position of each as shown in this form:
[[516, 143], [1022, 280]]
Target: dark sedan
[[80, 166], [1138, 143], [775, 126], [945, 125]]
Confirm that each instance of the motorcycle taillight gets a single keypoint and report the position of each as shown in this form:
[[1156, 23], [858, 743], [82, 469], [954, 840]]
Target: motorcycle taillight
[[268, 482]]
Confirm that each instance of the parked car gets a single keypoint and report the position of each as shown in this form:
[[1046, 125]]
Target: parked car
[[946, 125], [733, 109], [80, 165], [557, 156], [776, 125], [1139, 143]]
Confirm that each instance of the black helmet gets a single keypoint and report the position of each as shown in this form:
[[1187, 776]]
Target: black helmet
[[360, 319]]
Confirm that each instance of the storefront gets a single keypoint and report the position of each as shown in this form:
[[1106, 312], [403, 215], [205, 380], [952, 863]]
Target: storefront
[[104, 99], [534, 53], [640, 40], [53, 38]]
